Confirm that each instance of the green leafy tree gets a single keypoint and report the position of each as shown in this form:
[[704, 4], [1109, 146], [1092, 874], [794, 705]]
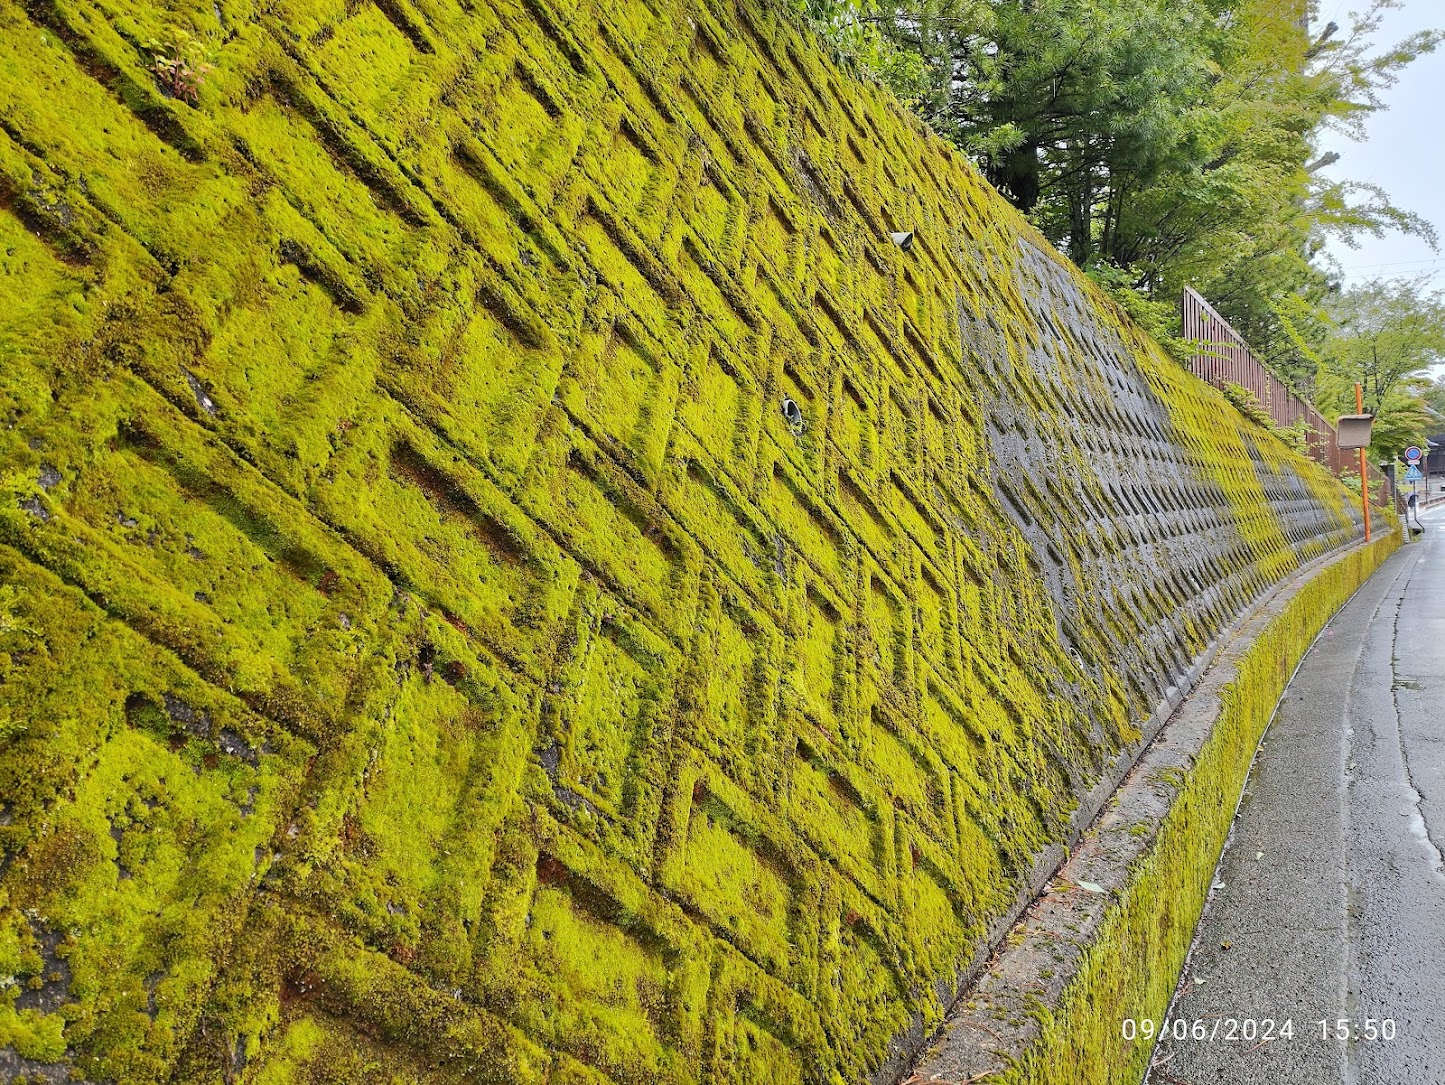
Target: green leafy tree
[[1434, 397], [1171, 142], [1065, 104], [1386, 333], [1271, 204]]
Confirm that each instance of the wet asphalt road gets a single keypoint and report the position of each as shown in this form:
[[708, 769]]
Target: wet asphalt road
[[1329, 903]]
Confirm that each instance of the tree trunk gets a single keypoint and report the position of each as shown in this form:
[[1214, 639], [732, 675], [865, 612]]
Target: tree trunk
[[1016, 175], [1081, 218]]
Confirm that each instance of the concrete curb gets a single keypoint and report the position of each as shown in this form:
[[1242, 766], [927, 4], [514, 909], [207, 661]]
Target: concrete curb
[[1105, 941]]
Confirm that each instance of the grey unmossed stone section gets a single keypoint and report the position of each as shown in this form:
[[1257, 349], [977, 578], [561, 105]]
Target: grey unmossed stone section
[[1155, 538]]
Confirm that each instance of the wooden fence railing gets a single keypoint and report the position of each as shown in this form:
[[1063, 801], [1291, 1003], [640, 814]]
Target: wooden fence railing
[[1227, 359]]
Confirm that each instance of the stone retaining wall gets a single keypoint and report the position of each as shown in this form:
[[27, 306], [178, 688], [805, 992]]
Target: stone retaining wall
[[429, 654]]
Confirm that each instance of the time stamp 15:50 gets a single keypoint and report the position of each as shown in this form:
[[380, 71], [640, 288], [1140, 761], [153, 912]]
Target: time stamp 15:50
[[1259, 1030]]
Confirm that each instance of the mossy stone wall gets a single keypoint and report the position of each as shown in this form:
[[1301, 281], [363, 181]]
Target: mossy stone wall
[[426, 653]]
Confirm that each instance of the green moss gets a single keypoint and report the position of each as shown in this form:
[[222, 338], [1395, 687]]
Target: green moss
[[426, 653]]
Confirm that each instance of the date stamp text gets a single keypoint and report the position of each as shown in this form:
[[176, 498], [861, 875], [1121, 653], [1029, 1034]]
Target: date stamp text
[[1262, 1030]]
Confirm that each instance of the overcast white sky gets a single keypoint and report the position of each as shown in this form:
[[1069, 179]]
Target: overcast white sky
[[1405, 153]]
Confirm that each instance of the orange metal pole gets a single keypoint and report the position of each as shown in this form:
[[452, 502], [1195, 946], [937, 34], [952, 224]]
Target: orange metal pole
[[1364, 480]]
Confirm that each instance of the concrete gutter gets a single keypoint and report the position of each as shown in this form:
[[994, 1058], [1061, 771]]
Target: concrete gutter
[[1105, 941]]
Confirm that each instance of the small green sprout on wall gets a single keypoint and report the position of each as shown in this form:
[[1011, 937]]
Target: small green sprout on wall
[[1247, 403], [179, 64]]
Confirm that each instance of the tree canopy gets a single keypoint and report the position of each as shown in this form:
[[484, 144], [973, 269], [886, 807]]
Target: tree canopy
[[1159, 142], [1384, 335]]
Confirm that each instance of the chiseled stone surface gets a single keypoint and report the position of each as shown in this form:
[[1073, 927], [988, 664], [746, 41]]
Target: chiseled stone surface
[[428, 654]]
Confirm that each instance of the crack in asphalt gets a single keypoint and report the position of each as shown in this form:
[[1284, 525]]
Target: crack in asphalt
[[1419, 826], [1349, 997]]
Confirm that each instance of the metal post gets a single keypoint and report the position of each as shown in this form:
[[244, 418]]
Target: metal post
[[1364, 478], [1392, 493]]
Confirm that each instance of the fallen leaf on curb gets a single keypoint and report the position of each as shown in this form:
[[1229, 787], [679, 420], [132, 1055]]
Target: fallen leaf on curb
[[1090, 887]]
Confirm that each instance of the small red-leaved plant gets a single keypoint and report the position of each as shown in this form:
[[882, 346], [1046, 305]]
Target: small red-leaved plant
[[178, 64]]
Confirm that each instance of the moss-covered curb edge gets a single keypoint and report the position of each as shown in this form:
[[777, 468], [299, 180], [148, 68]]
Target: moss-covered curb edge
[[1106, 940]]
